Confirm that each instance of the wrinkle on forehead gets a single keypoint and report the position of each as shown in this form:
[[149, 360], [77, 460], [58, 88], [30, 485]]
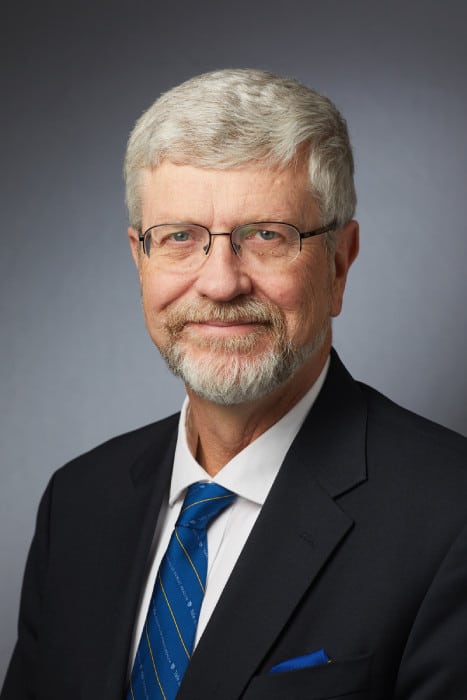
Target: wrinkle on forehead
[[221, 199]]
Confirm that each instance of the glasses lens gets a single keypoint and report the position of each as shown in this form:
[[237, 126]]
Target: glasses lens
[[176, 244], [268, 243]]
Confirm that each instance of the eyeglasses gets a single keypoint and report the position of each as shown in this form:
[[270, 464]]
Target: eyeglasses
[[270, 244]]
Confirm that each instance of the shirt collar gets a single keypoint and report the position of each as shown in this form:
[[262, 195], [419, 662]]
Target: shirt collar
[[251, 473]]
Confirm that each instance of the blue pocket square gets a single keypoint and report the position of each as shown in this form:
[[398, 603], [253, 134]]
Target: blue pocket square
[[316, 658]]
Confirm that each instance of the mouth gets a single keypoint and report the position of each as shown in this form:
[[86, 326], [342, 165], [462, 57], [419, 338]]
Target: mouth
[[225, 328], [228, 326]]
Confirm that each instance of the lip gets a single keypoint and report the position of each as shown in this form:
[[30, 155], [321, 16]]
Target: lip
[[216, 327]]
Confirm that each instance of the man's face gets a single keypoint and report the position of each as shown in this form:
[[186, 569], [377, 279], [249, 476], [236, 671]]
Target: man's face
[[234, 333]]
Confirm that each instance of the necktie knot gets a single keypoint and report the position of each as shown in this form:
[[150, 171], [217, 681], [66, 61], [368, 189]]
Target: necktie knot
[[203, 502], [168, 637]]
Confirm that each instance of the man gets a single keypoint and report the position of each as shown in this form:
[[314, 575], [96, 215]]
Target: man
[[335, 563]]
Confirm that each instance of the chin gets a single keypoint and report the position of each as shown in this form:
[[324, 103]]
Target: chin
[[230, 373]]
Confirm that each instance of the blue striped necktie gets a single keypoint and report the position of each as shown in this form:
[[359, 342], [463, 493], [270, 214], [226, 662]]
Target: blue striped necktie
[[168, 635]]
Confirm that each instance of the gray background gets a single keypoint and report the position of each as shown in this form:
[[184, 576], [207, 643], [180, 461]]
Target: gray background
[[76, 364]]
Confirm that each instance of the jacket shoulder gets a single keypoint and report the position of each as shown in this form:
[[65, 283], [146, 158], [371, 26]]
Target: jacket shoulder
[[398, 431], [114, 457]]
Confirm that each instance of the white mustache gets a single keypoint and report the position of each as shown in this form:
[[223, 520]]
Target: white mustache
[[249, 311]]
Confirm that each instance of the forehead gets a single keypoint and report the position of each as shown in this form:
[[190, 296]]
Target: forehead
[[216, 197]]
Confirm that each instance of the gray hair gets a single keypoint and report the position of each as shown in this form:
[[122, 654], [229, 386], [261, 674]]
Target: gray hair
[[235, 118]]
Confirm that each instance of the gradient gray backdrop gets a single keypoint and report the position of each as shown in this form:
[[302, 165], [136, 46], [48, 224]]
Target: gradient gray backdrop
[[76, 365]]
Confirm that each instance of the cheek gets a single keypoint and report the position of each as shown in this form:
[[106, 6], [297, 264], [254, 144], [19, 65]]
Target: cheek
[[160, 290], [307, 305]]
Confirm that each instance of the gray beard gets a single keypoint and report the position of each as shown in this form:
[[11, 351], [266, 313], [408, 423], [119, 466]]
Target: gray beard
[[232, 372]]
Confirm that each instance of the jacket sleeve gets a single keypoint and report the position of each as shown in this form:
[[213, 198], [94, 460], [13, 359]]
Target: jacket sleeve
[[21, 678], [434, 663]]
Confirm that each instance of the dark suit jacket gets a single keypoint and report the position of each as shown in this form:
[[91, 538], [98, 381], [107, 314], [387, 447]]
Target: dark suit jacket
[[360, 548]]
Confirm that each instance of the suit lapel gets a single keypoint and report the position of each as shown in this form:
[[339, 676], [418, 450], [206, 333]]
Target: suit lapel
[[128, 523], [299, 527]]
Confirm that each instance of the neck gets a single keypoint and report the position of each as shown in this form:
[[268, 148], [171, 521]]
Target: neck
[[217, 433]]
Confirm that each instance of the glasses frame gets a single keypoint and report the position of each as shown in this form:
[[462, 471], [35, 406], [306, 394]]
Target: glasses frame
[[305, 234]]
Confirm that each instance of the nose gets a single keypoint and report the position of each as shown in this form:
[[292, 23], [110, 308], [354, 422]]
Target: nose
[[221, 276]]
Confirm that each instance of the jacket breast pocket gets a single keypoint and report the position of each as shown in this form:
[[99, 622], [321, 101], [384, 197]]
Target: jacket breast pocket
[[349, 679]]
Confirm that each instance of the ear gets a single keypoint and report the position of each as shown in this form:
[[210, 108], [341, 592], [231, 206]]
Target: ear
[[345, 253], [135, 245]]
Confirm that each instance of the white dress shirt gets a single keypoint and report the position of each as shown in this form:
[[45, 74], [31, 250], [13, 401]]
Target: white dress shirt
[[250, 474]]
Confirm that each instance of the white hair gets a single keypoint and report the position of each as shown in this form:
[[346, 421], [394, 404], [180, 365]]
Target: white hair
[[236, 118]]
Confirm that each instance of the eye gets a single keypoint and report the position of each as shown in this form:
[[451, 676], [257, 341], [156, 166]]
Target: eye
[[172, 236], [254, 235], [265, 240], [175, 242], [266, 235], [180, 236]]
